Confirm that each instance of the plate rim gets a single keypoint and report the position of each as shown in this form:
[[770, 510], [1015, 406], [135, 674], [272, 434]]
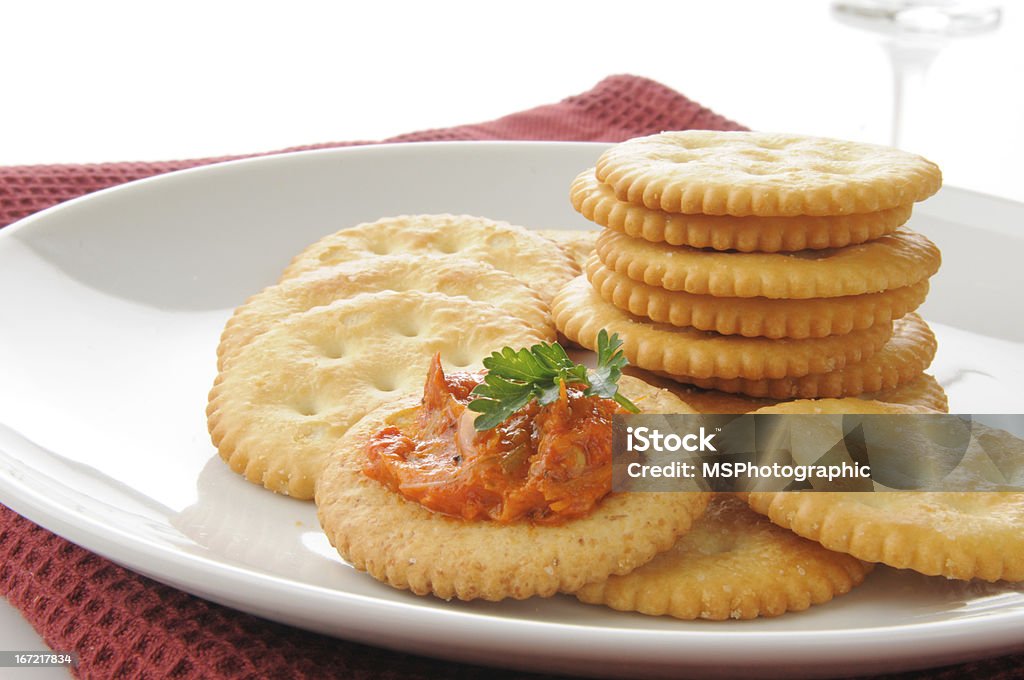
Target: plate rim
[[161, 562]]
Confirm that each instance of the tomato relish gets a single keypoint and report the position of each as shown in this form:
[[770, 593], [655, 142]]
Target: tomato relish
[[545, 464]]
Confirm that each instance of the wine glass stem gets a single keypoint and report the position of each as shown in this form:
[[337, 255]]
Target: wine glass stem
[[910, 64]]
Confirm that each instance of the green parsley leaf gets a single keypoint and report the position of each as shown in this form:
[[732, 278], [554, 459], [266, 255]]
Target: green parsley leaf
[[514, 378]]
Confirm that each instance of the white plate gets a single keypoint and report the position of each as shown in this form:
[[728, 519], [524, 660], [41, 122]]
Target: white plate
[[111, 307]]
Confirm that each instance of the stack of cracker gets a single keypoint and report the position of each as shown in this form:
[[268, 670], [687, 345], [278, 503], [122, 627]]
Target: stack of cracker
[[767, 266]]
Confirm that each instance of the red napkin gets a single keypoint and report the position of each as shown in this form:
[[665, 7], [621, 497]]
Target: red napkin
[[125, 625], [618, 108]]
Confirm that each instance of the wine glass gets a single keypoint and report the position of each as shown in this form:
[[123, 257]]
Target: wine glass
[[913, 32]]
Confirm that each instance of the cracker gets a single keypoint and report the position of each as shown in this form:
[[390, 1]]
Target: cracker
[[578, 244], [402, 543], [766, 174], [922, 391], [840, 406], [903, 359], [522, 253], [957, 535], [652, 397], [733, 564], [713, 401], [597, 202], [281, 403], [755, 316], [701, 400], [580, 314], [903, 258], [429, 273]]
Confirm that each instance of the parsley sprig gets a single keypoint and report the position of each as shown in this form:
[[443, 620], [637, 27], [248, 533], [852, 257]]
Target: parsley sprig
[[514, 378]]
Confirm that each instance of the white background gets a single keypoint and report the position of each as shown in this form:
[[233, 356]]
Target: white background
[[97, 81], [105, 81]]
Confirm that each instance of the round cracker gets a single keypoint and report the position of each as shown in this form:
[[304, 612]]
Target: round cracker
[[651, 397], [903, 258], [840, 407], [957, 535], [766, 174], [280, 405], [701, 400], [597, 202], [733, 564], [901, 360], [754, 316], [580, 314], [454, 276], [522, 253], [716, 402], [923, 391], [404, 544], [578, 244]]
